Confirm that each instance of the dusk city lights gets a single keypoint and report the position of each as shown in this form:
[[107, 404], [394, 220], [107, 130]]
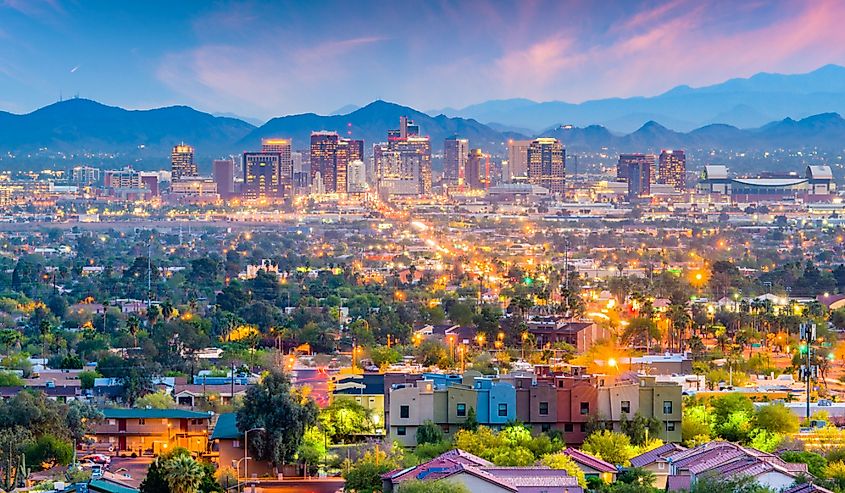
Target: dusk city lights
[[455, 246]]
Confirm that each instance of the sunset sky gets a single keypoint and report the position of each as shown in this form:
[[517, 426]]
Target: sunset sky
[[262, 59]]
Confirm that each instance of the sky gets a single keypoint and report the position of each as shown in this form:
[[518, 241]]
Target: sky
[[263, 59]]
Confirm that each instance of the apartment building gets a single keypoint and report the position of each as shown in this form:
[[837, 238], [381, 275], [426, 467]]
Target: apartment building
[[152, 431], [622, 398], [449, 405]]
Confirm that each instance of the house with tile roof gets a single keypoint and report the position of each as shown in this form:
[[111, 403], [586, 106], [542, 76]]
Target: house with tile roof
[[656, 462], [728, 460], [592, 467], [479, 475]]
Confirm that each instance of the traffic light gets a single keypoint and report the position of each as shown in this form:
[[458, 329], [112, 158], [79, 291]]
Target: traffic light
[[802, 348], [528, 281]]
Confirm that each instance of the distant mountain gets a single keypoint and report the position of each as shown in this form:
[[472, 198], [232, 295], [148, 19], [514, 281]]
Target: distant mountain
[[744, 103], [343, 110], [825, 131], [82, 125], [372, 122]]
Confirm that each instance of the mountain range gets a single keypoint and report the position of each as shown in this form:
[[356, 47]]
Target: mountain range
[[745, 103], [82, 127]]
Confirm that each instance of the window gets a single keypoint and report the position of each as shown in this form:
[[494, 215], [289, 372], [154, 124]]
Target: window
[[503, 410], [585, 408], [544, 409], [626, 407], [661, 466], [445, 428], [583, 427], [567, 427], [461, 409], [401, 431], [142, 421], [112, 422], [670, 426], [545, 427], [667, 407], [236, 443], [404, 411]]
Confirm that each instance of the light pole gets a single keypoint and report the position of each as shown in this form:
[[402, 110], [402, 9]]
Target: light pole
[[238, 469], [246, 448]]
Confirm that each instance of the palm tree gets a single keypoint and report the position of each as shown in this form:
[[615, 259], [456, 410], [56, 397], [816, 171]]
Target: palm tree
[[183, 474]]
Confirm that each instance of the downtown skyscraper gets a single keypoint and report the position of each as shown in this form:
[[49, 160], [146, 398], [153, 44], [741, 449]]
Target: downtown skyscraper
[[455, 153], [403, 164], [672, 169], [330, 158], [547, 164], [182, 163]]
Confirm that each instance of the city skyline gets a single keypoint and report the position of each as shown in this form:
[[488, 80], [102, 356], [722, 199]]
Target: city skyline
[[202, 52]]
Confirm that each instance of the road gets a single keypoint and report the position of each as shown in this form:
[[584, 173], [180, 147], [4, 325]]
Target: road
[[321, 485]]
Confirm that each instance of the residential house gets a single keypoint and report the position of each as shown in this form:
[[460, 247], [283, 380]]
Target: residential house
[[152, 431], [366, 389], [480, 476], [191, 395], [728, 460], [655, 461], [551, 329], [592, 467], [227, 445]]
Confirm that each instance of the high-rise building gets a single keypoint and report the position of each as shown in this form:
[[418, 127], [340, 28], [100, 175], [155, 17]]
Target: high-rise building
[[638, 171], [673, 169], [85, 175], [262, 176], [517, 159], [223, 171], [324, 158], [281, 146], [330, 156], [547, 164], [455, 152], [356, 177], [182, 162], [403, 164], [477, 176]]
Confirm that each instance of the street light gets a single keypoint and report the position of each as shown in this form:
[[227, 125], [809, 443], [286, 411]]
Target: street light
[[246, 447], [238, 468]]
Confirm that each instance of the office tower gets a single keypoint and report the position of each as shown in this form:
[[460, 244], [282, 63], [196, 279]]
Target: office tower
[[638, 171], [122, 178], [324, 150], [182, 162], [403, 164], [224, 176], [477, 176], [673, 169], [356, 177], [356, 149], [638, 176], [298, 163], [517, 159], [150, 182], [547, 164], [262, 176], [455, 152], [85, 175], [281, 146]]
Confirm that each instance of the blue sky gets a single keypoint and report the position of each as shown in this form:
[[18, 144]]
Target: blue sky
[[263, 59]]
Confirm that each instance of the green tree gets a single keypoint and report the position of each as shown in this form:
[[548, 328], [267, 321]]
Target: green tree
[[86, 379], [564, 462], [696, 427], [183, 474], [156, 400], [364, 476], [737, 484], [344, 418], [816, 463], [429, 432], [283, 412], [776, 418], [48, 451], [610, 446]]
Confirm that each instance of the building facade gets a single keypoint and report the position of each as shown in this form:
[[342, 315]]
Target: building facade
[[182, 162], [152, 431], [262, 177], [455, 152], [673, 169], [547, 165], [517, 159]]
